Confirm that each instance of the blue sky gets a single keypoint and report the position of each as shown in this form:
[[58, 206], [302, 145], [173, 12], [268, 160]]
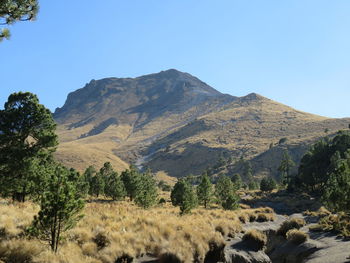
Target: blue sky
[[296, 52]]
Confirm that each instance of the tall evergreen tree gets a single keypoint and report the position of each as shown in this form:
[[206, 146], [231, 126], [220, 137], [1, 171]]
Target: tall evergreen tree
[[27, 133], [205, 191]]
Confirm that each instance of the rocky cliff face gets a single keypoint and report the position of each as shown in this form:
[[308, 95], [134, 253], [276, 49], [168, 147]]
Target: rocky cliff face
[[173, 122]]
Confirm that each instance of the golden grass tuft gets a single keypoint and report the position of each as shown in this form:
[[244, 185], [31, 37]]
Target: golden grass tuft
[[294, 223], [255, 239], [296, 236], [111, 230]]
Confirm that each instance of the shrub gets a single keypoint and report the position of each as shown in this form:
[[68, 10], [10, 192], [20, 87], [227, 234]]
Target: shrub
[[265, 217], [296, 236], [294, 223], [162, 201], [255, 239]]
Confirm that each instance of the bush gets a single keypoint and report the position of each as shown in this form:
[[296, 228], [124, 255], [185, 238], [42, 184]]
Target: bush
[[265, 217], [255, 239], [339, 223], [296, 236], [294, 223]]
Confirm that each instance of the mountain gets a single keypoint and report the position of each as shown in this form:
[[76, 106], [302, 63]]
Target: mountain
[[173, 122]]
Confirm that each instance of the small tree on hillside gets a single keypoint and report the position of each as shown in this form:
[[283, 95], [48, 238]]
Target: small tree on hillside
[[132, 181], [147, 193], [285, 167], [237, 181], [205, 190], [60, 208], [336, 193], [267, 184], [184, 196], [225, 191], [97, 185], [114, 187]]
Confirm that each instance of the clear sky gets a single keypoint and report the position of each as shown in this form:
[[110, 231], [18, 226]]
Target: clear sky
[[295, 51]]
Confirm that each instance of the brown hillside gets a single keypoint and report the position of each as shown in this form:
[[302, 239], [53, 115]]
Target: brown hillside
[[175, 123]]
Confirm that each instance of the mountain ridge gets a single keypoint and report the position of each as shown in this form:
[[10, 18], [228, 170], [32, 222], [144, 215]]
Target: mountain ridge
[[171, 121]]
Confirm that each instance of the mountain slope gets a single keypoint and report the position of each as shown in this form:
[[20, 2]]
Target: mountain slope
[[173, 122]]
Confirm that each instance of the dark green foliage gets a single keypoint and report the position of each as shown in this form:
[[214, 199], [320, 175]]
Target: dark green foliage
[[164, 186], [97, 185], [12, 11], [247, 170], [147, 194], [267, 184], [132, 181], [114, 187], [336, 194], [205, 191], [79, 180], [27, 140], [237, 181], [231, 202], [225, 191], [89, 173], [60, 208], [162, 201], [316, 166], [285, 167], [253, 185], [184, 196]]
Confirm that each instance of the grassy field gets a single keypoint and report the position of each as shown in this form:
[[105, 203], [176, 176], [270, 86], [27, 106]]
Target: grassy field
[[110, 230]]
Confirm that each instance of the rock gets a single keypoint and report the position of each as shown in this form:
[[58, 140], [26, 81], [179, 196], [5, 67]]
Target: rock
[[288, 252], [237, 252]]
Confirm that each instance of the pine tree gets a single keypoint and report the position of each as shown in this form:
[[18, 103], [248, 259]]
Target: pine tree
[[286, 165], [97, 186], [189, 200], [114, 187], [225, 191], [16, 10], [147, 193], [336, 194], [237, 181], [184, 196], [131, 180], [267, 184], [60, 208], [27, 137], [205, 191]]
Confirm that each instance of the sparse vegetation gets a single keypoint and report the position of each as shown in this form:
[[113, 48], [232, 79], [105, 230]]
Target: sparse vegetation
[[255, 239], [106, 231], [296, 236], [294, 223]]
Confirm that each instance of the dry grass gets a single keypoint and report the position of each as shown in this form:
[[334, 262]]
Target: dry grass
[[255, 239], [111, 230], [294, 223], [296, 236], [339, 223]]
